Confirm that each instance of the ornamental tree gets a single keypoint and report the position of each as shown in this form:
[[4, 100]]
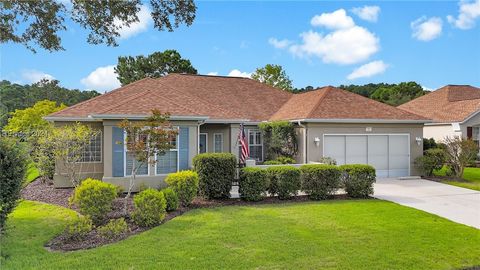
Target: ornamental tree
[[280, 139]]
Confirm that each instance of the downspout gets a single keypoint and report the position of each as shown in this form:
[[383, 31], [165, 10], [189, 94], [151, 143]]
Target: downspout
[[198, 135], [304, 141]]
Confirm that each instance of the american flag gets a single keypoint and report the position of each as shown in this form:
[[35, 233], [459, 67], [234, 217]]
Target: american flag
[[244, 152]]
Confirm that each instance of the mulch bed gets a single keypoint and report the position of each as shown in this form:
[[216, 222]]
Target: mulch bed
[[43, 191]]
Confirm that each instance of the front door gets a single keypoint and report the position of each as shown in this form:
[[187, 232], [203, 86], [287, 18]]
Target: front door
[[203, 143]]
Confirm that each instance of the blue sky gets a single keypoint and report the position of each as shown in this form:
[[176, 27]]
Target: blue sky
[[318, 43]]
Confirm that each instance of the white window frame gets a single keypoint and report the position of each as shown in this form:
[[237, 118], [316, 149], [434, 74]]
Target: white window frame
[[177, 142], [101, 151], [256, 144], [206, 142], [125, 159], [215, 143]]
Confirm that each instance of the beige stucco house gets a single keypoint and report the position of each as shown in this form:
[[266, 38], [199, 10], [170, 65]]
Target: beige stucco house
[[208, 111], [454, 110]]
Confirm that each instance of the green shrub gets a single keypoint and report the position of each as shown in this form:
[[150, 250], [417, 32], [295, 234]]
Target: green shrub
[[432, 159], [284, 181], [328, 160], [94, 198], [13, 166], [113, 228], [216, 172], [358, 180], [78, 228], [320, 181], [253, 184], [150, 206], [171, 198], [185, 184], [272, 162]]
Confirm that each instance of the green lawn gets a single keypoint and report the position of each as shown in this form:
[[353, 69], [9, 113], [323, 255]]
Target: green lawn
[[32, 173], [470, 175], [368, 234]]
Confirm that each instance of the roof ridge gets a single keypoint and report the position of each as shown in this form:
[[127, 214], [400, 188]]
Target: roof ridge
[[319, 101], [102, 95], [124, 101], [206, 75]]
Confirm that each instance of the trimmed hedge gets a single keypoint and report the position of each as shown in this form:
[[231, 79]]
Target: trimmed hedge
[[216, 172], [94, 198], [253, 184], [358, 180], [171, 198], [320, 181], [284, 181], [185, 184], [150, 206]]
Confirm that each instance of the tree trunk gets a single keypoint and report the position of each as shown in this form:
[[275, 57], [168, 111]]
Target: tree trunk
[[130, 187]]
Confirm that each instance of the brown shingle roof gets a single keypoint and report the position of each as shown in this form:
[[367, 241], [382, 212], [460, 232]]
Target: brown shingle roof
[[451, 103], [232, 98], [334, 103]]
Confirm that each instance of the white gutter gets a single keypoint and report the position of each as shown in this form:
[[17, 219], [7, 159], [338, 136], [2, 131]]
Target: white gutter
[[145, 116], [370, 121], [70, 119], [231, 121], [304, 141]]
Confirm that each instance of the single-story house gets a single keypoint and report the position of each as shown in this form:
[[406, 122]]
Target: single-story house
[[454, 110], [208, 111]]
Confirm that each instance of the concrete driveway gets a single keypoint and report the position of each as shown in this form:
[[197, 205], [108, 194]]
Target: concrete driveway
[[454, 203]]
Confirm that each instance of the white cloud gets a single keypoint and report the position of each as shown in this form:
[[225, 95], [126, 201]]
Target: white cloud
[[238, 73], [368, 13], [469, 12], [102, 78], [426, 29], [346, 46], [279, 44], [145, 19], [33, 76], [335, 20], [213, 73], [368, 70]]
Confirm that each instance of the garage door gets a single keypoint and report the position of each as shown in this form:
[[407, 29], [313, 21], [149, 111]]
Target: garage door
[[388, 154]]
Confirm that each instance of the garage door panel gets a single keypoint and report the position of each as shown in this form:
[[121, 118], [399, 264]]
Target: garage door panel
[[335, 148], [356, 150], [398, 152], [378, 152]]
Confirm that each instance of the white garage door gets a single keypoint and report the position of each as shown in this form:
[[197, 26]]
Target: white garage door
[[389, 154]]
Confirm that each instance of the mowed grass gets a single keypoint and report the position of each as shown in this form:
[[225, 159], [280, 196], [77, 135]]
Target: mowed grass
[[364, 234], [32, 173], [470, 175]]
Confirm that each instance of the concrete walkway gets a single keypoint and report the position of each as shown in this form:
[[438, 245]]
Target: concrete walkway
[[454, 203]]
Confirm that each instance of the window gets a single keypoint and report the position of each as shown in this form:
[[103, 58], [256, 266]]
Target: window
[[218, 142], [168, 162], [129, 157], [203, 143], [92, 152], [255, 144]]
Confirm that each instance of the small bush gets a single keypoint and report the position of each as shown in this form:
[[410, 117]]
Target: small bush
[[320, 181], [150, 206], [358, 180], [185, 185], [272, 162], [94, 198], [171, 198], [216, 172], [328, 160], [78, 228], [284, 181], [13, 166], [253, 184], [432, 159], [279, 161], [113, 228], [120, 190]]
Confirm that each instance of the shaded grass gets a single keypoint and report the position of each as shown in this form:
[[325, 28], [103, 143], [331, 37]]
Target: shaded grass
[[32, 173], [364, 234], [471, 177]]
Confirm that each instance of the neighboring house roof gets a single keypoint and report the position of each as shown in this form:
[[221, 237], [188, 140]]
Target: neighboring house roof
[[334, 103], [230, 98], [451, 103]]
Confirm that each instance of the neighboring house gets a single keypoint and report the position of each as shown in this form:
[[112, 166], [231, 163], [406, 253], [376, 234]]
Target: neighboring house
[[454, 110], [208, 111]]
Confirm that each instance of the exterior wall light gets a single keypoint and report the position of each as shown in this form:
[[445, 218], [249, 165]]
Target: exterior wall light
[[316, 140], [418, 140]]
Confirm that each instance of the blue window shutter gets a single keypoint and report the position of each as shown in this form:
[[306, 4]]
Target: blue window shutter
[[117, 152], [183, 148]]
